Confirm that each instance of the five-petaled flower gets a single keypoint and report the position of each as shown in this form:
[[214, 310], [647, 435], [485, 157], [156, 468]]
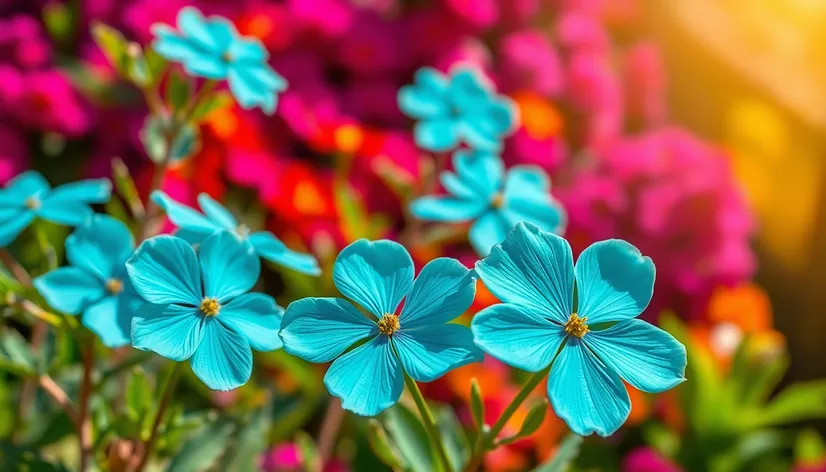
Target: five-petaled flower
[[195, 227], [95, 284], [418, 342], [592, 345], [479, 190], [460, 108], [212, 48], [29, 196], [199, 307]]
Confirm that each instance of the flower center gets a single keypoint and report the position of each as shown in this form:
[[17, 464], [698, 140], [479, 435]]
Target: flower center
[[242, 231], [33, 203], [226, 57], [497, 201], [210, 307], [576, 326], [389, 324], [114, 286]]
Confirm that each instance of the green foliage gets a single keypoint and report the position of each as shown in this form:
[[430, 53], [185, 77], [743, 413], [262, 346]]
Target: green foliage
[[565, 455], [477, 406], [155, 136], [203, 450]]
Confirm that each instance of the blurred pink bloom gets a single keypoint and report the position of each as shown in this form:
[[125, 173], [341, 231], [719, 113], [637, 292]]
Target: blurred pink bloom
[[522, 148], [593, 88], [304, 111], [47, 102], [13, 153], [469, 50], [372, 46], [519, 12], [427, 32], [645, 459], [529, 61], [23, 42], [374, 101], [582, 33], [138, 17], [255, 169], [286, 457], [479, 13], [645, 83], [331, 18]]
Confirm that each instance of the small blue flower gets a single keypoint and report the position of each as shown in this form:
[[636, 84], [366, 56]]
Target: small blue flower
[[481, 192], [460, 108], [592, 344], [29, 196], [419, 342], [199, 308], [95, 284], [195, 227], [212, 48]]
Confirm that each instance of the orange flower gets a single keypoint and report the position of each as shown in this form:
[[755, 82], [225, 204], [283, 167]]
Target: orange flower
[[640, 407], [539, 118], [745, 305]]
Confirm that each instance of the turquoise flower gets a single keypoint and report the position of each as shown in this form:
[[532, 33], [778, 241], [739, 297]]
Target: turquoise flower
[[418, 342], [592, 343], [199, 308], [212, 48], [29, 196], [195, 227], [481, 191], [95, 284], [460, 108]]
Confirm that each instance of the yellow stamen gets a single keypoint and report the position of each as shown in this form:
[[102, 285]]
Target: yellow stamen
[[114, 286], [576, 326], [226, 57], [210, 307], [497, 201], [389, 324], [242, 231], [33, 203]]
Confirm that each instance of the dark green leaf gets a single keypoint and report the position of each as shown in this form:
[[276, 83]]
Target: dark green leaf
[[113, 45], [477, 405], [15, 353], [802, 401], [201, 452], [410, 437], [214, 101], [138, 394], [58, 20], [156, 65], [178, 90], [139, 72], [809, 447], [535, 417], [155, 140], [381, 447], [251, 442], [565, 455], [453, 437]]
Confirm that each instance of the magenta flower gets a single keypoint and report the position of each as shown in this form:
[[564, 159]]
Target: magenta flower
[[13, 154], [529, 61], [372, 46], [331, 18], [479, 13], [645, 459], [47, 102], [24, 43]]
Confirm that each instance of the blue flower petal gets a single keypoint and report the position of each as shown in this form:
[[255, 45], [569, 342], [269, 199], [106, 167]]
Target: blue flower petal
[[170, 45], [470, 132], [376, 275], [527, 198], [645, 356], [614, 281], [25, 185], [172, 331], [320, 329], [457, 187], [517, 337], [436, 134], [266, 76], [12, 226], [481, 171], [208, 67], [427, 98], [248, 51], [256, 316], [184, 217], [84, 191], [70, 289], [368, 379], [468, 88], [229, 266], [443, 291], [164, 270], [222, 32], [429, 352], [217, 213], [447, 209], [101, 245], [272, 249], [111, 319], [489, 230], [534, 269], [223, 361], [192, 23], [65, 212], [585, 393], [249, 92]]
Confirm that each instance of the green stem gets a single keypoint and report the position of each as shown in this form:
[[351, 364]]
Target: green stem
[[166, 398], [485, 439], [429, 422]]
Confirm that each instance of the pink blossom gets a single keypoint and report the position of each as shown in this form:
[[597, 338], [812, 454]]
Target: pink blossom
[[479, 13], [330, 18], [47, 102], [372, 46], [138, 17], [469, 50], [645, 459], [23, 42], [374, 101], [529, 61], [13, 154], [517, 13], [582, 33], [286, 457], [547, 152], [645, 83]]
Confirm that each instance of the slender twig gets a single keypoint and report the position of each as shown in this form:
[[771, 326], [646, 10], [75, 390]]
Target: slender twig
[[166, 398], [328, 433], [485, 439], [429, 422], [84, 421], [16, 269], [59, 396]]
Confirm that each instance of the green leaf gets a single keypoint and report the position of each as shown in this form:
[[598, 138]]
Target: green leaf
[[138, 394], [58, 20], [802, 401], [535, 417], [125, 186], [351, 209], [201, 452], [564, 456], [113, 45], [809, 447], [453, 437], [410, 437], [251, 442], [14, 458], [178, 90], [154, 139], [308, 451], [8, 284], [214, 101], [138, 68], [477, 405], [15, 353], [381, 447]]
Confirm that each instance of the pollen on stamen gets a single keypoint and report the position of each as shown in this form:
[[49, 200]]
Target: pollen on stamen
[[497, 201], [576, 326], [114, 286], [226, 57], [389, 324], [33, 203], [242, 231], [210, 307]]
